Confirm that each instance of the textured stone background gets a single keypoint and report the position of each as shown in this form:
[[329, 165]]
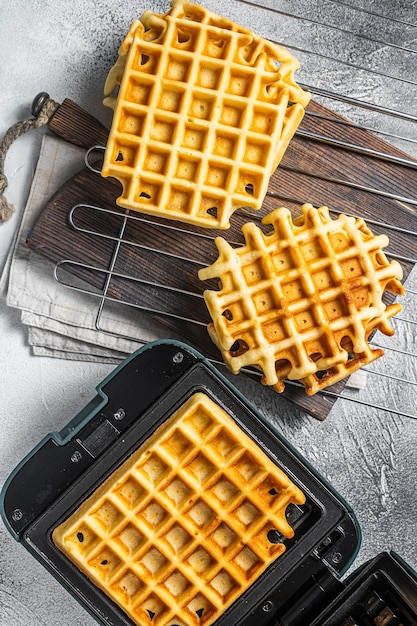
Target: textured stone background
[[66, 48]]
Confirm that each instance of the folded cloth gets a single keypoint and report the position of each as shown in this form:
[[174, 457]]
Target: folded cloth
[[67, 347], [62, 322]]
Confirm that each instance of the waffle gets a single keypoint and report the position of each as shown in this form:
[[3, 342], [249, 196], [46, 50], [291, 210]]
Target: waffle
[[300, 302], [204, 113], [186, 524]]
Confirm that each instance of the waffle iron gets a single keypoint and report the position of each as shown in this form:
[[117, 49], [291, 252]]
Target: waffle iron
[[306, 586]]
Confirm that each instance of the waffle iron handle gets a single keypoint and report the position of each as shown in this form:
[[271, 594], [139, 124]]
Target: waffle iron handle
[[72, 123]]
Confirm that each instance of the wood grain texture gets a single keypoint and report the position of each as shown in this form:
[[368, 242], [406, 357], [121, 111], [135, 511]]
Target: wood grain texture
[[77, 126], [155, 267]]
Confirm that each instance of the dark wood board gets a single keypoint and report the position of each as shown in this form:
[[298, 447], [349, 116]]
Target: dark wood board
[[298, 179]]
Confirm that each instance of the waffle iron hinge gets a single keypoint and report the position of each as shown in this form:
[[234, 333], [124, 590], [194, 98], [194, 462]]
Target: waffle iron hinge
[[320, 590], [311, 586], [305, 603]]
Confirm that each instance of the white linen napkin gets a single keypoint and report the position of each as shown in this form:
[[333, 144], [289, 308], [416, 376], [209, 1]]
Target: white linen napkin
[[62, 322]]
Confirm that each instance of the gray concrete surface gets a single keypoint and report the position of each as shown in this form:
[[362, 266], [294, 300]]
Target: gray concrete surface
[[66, 48]]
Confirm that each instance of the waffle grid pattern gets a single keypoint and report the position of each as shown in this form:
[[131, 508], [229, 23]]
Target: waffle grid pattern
[[204, 113], [303, 299], [182, 529]]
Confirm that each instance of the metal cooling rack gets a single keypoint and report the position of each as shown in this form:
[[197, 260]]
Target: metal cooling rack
[[393, 122]]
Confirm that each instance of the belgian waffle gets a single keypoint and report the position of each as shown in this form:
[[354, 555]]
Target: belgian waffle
[[300, 302], [187, 523], [204, 113]]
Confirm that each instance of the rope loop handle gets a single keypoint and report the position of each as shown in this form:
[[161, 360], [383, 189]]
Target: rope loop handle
[[42, 109]]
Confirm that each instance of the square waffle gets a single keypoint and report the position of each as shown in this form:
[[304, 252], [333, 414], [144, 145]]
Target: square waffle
[[301, 301], [204, 113], [186, 524]]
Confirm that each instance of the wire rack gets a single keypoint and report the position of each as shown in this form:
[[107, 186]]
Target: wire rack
[[364, 92]]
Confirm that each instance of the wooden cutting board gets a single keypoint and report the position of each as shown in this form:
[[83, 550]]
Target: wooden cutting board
[[156, 265]]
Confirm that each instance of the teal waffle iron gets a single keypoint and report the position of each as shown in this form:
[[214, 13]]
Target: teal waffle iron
[[309, 585]]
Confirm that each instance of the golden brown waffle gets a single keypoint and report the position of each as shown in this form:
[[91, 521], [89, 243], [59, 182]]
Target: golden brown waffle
[[183, 527], [301, 301], [204, 113]]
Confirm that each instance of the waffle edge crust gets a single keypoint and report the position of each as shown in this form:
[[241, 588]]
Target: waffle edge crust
[[204, 113], [183, 528], [300, 302]]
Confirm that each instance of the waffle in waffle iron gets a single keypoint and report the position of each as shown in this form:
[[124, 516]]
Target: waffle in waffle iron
[[181, 529]]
